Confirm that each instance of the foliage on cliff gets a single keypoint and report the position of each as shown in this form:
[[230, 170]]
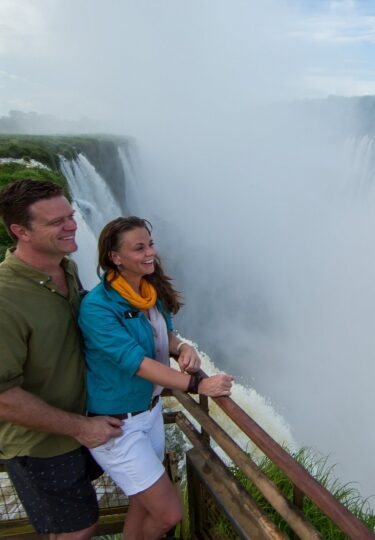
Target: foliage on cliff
[[101, 151], [48, 148]]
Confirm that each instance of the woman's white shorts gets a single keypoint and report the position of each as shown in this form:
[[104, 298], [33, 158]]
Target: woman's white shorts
[[134, 461]]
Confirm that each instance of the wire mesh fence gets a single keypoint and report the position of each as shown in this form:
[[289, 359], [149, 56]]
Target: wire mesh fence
[[109, 496]]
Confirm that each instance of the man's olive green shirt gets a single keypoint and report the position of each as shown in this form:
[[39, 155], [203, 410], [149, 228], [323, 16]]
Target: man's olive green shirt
[[40, 352]]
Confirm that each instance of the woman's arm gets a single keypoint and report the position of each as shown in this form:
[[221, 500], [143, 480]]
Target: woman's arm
[[157, 373], [188, 358], [103, 333]]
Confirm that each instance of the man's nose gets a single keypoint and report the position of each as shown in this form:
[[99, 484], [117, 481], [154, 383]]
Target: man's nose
[[70, 224]]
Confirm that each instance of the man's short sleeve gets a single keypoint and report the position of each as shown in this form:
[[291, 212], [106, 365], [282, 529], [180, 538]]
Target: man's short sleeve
[[13, 343]]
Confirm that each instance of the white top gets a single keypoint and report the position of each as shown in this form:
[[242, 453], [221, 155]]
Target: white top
[[159, 329]]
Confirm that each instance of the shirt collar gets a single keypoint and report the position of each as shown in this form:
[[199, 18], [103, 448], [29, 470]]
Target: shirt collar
[[36, 275]]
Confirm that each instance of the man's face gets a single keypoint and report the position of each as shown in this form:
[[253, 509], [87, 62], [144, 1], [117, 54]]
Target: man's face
[[52, 227]]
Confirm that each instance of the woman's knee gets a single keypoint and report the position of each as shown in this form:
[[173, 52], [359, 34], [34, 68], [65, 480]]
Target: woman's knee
[[162, 502], [174, 508], [170, 518]]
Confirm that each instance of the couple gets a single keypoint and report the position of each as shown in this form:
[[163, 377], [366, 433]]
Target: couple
[[127, 328]]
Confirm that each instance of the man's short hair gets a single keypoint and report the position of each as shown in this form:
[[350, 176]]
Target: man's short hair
[[17, 197]]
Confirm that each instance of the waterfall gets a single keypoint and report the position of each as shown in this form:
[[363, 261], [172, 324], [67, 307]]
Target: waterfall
[[90, 192], [133, 196], [361, 164], [95, 206]]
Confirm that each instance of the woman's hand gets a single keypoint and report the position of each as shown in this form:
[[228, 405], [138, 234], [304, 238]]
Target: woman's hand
[[188, 359], [216, 386]]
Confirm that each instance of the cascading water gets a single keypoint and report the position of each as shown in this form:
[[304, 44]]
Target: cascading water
[[89, 191], [361, 164], [94, 205], [133, 193]]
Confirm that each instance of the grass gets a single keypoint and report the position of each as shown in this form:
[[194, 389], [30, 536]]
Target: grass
[[319, 468], [109, 537]]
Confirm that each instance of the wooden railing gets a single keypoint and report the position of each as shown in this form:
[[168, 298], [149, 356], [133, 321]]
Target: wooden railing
[[252, 523]]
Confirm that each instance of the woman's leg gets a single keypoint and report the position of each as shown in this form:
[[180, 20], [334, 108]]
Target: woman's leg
[[155, 511], [135, 516]]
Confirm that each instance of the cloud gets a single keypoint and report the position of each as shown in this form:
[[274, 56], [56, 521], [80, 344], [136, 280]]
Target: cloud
[[321, 84], [13, 77], [22, 25], [338, 23], [104, 57]]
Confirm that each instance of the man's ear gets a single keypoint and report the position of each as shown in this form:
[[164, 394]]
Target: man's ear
[[20, 232]]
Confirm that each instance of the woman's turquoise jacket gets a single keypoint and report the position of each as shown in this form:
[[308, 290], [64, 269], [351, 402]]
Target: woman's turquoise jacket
[[117, 336]]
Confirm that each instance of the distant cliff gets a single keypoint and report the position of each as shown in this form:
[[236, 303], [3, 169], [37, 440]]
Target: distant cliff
[[38, 157]]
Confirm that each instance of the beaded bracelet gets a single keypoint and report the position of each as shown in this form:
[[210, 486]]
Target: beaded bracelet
[[180, 345]]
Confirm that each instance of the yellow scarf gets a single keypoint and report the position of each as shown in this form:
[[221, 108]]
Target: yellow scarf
[[145, 300]]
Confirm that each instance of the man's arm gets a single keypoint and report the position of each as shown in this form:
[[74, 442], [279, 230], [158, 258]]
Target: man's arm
[[26, 409]]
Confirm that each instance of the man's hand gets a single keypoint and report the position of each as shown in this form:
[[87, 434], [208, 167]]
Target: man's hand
[[28, 410], [97, 430], [188, 359]]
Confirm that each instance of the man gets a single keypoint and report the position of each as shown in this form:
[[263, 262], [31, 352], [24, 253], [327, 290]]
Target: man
[[42, 396]]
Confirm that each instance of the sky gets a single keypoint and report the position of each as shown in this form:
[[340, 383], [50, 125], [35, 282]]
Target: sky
[[87, 58]]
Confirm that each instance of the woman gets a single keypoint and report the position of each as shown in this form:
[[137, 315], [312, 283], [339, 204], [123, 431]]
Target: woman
[[127, 330]]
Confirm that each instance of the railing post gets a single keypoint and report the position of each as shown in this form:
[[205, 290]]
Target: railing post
[[195, 501], [298, 497], [203, 402]]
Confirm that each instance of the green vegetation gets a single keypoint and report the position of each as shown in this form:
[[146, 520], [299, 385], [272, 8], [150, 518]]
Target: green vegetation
[[41, 148], [324, 474], [109, 537], [47, 149], [10, 172], [5, 241]]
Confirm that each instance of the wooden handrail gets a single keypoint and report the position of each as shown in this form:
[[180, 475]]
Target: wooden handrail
[[255, 523], [318, 494], [293, 516]]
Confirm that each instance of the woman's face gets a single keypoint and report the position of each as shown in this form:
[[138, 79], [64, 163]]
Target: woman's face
[[135, 255]]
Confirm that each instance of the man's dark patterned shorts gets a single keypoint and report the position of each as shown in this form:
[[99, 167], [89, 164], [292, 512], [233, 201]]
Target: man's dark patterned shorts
[[56, 492]]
